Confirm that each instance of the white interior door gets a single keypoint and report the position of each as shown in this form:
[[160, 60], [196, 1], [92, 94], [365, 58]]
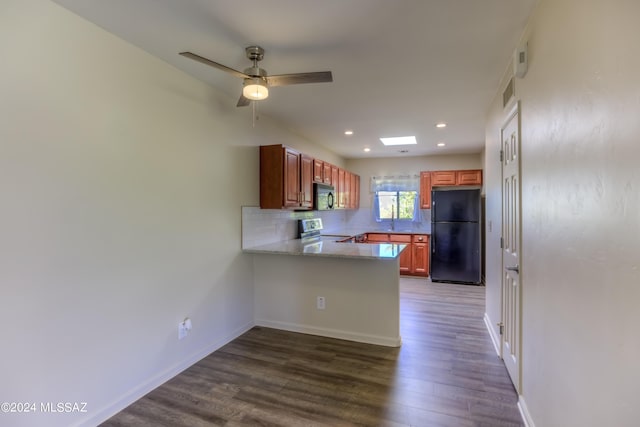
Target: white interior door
[[511, 262]]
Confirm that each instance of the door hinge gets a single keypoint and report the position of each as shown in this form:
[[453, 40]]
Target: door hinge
[[501, 325], [501, 155], [501, 243]]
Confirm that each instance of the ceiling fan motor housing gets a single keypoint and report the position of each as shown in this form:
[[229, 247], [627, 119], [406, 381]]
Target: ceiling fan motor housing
[[256, 72], [254, 53]]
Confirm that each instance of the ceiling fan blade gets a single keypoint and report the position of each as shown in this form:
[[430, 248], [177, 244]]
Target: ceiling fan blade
[[214, 64], [243, 101], [299, 78]]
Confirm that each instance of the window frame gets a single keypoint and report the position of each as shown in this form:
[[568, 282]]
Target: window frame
[[377, 209]]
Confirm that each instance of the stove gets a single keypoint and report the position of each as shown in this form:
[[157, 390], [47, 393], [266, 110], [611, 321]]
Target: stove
[[309, 229]]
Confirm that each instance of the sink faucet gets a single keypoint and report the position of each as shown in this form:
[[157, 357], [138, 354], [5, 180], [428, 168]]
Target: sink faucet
[[393, 223]]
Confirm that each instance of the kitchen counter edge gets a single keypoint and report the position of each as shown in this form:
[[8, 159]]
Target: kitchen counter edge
[[327, 248]]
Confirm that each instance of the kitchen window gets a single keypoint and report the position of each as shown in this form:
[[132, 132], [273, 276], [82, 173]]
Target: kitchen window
[[396, 204], [396, 198]]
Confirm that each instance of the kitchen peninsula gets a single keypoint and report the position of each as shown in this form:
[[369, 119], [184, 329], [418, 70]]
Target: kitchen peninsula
[[339, 290]]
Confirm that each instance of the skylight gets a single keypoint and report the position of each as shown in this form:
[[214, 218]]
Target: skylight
[[399, 140]]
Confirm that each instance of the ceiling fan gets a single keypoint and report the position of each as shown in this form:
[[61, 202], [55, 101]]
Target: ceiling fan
[[257, 81]]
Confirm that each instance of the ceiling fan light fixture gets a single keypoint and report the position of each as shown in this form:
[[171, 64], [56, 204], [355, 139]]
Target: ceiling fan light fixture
[[255, 89]]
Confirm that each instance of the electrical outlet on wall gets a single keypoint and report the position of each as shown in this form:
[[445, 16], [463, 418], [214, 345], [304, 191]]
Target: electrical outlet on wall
[[184, 328], [320, 303]]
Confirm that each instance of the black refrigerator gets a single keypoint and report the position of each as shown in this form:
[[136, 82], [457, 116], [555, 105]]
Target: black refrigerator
[[455, 236]]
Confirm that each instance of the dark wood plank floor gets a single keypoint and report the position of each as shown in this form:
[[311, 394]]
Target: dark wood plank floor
[[445, 374]]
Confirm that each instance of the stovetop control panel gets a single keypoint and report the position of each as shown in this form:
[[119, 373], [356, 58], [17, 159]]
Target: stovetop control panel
[[308, 228]]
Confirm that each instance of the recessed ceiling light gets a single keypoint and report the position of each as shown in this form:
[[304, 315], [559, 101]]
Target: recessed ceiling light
[[348, 132], [441, 125], [399, 140], [441, 144], [367, 149]]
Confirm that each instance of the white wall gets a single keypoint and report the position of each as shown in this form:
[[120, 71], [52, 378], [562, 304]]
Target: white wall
[[362, 296], [121, 181], [580, 204]]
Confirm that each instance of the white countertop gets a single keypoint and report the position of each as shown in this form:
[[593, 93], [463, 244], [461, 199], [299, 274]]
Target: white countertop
[[327, 247], [355, 231]]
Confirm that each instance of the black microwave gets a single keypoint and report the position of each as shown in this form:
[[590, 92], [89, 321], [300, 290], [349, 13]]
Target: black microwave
[[323, 197]]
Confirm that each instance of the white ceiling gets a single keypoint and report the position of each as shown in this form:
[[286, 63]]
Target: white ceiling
[[399, 67]]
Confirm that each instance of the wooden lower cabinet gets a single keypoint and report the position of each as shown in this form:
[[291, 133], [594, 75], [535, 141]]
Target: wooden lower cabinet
[[420, 255], [414, 260], [377, 237], [405, 256]]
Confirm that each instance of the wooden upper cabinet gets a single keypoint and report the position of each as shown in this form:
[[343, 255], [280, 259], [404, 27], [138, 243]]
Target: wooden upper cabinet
[[291, 178], [340, 190], [425, 190], [318, 170], [326, 173], [356, 192], [334, 178], [306, 181], [346, 193], [443, 178], [458, 177], [286, 178], [469, 177]]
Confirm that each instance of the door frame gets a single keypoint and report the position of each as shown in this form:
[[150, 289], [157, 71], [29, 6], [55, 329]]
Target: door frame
[[511, 111]]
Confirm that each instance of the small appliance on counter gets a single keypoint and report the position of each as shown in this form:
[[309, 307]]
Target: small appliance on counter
[[323, 197]]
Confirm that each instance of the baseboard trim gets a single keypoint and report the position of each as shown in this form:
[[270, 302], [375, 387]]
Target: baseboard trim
[[152, 383], [492, 333], [332, 333], [524, 412]]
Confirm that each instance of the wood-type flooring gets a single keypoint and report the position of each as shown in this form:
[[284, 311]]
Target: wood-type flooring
[[445, 374]]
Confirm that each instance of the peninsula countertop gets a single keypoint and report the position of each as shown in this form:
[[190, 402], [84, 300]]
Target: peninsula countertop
[[328, 247]]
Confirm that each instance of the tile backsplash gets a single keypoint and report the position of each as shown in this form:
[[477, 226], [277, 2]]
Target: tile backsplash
[[264, 226]]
